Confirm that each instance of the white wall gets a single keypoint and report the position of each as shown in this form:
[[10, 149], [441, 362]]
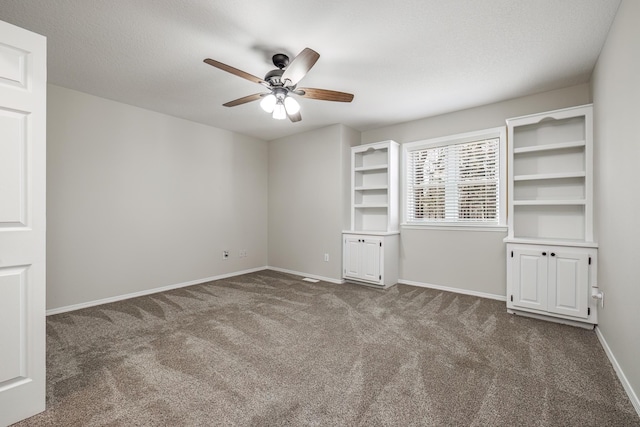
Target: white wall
[[138, 200], [616, 96], [468, 261], [308, 197]]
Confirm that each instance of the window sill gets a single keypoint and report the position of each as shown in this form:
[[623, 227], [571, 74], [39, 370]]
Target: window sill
[[456, 227]]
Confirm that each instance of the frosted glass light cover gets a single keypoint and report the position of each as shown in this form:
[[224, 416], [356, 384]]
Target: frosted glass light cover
[[291, 105], [279, 112], [268, 103]]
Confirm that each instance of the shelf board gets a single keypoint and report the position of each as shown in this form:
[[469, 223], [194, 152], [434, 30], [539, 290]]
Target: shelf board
[[372, 187], [548, 147], [550, 241], [542, 176], [371, 205], [370, 168], [560, 202]]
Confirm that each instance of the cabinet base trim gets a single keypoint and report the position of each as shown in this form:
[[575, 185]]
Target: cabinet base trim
[[454, 290], [583, 325], [312, 276], [371, 285], [633, 397]]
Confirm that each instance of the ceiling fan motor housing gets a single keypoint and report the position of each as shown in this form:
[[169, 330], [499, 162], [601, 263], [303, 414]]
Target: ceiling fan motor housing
[[280, 60], [273, 77]]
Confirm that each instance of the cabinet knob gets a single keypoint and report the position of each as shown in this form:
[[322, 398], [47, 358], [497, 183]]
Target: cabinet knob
[[552, 254], [544, 254]]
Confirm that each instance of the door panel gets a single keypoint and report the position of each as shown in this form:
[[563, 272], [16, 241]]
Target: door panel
[[371, 260], [352, 257], [12, 168], [22, 222], [530, 279], [12, 333], [568, 283]]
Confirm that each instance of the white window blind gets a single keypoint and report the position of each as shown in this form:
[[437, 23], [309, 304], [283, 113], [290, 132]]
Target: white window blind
[[454, 183]]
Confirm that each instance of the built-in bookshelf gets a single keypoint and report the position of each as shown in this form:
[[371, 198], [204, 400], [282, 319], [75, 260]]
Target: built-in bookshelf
[[550, 175]]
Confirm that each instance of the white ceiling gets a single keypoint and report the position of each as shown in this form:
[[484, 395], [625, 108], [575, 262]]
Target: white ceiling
[[403, 59]]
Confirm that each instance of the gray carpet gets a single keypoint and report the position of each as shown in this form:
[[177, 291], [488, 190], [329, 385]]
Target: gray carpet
[[269, 349]]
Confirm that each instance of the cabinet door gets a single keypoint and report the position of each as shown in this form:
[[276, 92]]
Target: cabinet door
[[371, 257], [530, 278], [352, 264], [568, 283]]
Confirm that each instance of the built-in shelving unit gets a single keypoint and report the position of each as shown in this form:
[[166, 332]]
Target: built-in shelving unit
[[371, 245], [550, 179], [374, 189], [551, 256]]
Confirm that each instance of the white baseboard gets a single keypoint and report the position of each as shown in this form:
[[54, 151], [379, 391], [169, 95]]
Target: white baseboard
[[633, 397], [149, 291], [454, 290], [312, 276]]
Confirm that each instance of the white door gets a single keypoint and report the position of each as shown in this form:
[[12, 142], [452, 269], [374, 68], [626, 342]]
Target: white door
[[22, 222], [569, 283], [351, 261], [529, 279], [371, 250]]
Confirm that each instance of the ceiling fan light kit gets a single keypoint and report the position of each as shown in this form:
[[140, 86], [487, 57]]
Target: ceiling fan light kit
[[282, 83]]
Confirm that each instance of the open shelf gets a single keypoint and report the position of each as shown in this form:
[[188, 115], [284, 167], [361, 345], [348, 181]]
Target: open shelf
[[548, 130], [371, 168], [569, 160], [543, 176], [558, 202], [372, 188], [372, 157], [367, 198], [549, 147], [558, 222]]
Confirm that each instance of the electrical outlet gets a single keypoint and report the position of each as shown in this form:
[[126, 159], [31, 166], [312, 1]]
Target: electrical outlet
[[326, 257], [225, 254], [243, 253]]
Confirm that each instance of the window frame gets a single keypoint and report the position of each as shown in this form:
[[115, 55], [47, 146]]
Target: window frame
[[461, 138]]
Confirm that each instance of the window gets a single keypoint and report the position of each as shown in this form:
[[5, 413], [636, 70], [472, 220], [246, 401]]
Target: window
[[455, 180]]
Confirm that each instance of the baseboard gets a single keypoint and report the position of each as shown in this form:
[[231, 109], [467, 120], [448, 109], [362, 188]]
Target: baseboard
[[554, 319], [312, 276], [454, 290], [149, 291], [633, 397]]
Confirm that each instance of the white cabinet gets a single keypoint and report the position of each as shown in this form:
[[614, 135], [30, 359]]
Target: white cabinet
[[552, 280], [362, 258], [370, 259], [551, 256], [371, 246]]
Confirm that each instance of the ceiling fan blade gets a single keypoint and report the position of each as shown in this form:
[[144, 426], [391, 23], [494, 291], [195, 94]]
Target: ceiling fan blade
[[294, 117], [324, 94], [245, 99], [235, 71], [300, 66]]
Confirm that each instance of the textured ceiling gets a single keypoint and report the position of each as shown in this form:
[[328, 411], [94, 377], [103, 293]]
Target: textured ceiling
[[403, 60]]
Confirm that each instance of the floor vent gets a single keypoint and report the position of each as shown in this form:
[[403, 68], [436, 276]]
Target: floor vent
[[308, 279]]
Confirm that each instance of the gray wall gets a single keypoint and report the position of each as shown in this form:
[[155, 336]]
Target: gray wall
[[616, 93], [138, 200], [308, 197], [472, 261]]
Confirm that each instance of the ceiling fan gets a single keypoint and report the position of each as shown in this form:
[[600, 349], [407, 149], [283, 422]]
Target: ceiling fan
[[282, 84]]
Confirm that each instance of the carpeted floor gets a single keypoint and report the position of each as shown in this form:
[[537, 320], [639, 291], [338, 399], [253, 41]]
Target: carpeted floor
[[269, 349]]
